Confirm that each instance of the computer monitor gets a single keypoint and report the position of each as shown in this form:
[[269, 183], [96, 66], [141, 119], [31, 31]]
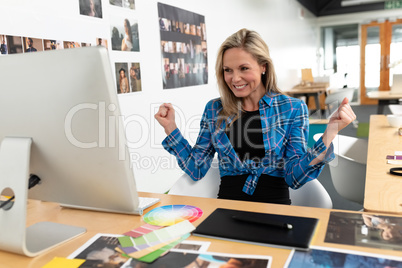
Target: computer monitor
[[60, 120], [396, 87]]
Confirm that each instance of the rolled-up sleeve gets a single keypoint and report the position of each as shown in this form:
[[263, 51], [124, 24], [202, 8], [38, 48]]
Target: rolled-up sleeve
[[298, 157], [196, 160]]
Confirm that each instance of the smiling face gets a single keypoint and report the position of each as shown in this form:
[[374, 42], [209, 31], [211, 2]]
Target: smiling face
[[242, 73]]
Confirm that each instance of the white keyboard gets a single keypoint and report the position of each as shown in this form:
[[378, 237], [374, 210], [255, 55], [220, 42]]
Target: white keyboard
[[146, 202]]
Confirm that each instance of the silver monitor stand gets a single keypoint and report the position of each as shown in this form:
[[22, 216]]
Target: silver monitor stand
[[15, 237]]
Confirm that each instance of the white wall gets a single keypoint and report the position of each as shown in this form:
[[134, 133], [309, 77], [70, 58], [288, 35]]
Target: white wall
[[292, 41]]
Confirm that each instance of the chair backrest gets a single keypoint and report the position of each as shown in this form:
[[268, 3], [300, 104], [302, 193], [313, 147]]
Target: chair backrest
[[312, 194], [348, 170], [206, 187], [337, 96], [349, 179], [396, 87]]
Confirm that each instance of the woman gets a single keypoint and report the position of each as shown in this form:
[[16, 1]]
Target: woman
[[127, 42], [389, 231], [259, 133], [90, 8], [123, 81]]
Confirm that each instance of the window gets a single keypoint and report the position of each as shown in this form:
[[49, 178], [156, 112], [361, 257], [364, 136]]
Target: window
[[342, 55]]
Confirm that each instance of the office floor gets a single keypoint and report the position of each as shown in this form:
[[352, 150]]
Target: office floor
[[363, 113]]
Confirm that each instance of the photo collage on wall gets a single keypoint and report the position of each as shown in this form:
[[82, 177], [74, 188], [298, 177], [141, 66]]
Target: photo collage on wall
[[183, 47], [183, 43], [124, 38], [21, 44]]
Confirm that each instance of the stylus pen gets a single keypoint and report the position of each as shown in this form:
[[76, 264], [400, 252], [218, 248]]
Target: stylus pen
[[268, 222]]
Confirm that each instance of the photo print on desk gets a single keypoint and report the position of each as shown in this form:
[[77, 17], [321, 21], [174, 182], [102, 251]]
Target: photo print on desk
[[128, 77], [183, 47], [124, 33], [205, 260], [328, 257], [365, 230], [100, 251]]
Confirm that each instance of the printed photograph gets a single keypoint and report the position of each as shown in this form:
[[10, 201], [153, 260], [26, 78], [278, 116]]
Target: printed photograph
[[86, 44], [71, 44], [101, 252], [317, 258], [365, 230], [183, 47], [118, 3], [164, 24], [92, 8], [128, 77], [125, 35], [205, 260], [3, 45], [50, 44], [135, 77], [101, 42], [32, 44], [191, 246], [122, 83], [123, 3], [14, 44]]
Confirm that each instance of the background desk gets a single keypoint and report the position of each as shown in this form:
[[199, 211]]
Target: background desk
[[315, 91], [99, 222], [383, 191], [384, 98]]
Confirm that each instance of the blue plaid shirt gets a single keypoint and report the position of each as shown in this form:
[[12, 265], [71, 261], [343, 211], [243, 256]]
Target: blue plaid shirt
[[285, 127]]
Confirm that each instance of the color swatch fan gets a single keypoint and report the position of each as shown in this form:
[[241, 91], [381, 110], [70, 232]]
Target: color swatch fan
[[172, 214]]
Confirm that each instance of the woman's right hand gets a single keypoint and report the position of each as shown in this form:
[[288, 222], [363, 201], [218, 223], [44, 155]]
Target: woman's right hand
[[166, 117]]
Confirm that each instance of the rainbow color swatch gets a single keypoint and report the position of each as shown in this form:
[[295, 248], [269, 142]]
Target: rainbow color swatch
[[172, 214]]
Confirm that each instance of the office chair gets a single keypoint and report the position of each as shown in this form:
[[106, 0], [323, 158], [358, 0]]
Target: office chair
[[312, 194], [348, 169]]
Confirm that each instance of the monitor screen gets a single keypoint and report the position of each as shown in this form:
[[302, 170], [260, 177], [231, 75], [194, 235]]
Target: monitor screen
[[65, 101]]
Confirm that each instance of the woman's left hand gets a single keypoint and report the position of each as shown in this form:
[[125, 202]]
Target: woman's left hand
[[342, 117]]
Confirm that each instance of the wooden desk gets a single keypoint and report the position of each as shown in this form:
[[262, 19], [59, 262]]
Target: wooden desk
[[316, 91], [384, 98], [383, 191], [98, 222]]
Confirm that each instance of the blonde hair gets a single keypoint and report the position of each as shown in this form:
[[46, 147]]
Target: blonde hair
[[251, 42]]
